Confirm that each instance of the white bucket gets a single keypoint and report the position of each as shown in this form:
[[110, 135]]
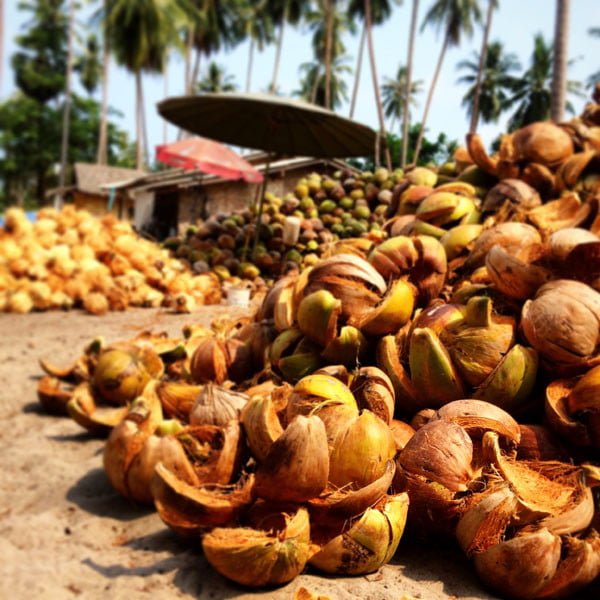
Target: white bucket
[[291, 230], [238, 296]]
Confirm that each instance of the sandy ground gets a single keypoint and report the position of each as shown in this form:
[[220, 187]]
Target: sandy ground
[[65, 533]]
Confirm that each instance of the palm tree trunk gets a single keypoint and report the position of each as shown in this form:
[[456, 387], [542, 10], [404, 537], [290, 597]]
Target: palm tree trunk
[[102, 155], [278, 54], [144, 128], [139, 160], [195, 71], [182, 134], [1, 43], [67, 109], [559, 72], [481, 69], [315, 88], [361, 49], [166, 95], [409, 65], [376, 83], [328, 48], [436, 75], [250, 61], [189, 48], [392, 123]]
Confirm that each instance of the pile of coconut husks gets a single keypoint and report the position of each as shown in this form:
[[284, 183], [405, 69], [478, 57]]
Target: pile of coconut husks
[[445, 380], [69, 258]]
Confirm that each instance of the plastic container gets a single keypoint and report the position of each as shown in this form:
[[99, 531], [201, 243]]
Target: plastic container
[[238, 296], [291, 230]]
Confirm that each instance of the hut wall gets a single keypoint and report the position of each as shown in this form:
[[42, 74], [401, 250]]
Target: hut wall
[[144, 205], [199, 202], [97, 205]]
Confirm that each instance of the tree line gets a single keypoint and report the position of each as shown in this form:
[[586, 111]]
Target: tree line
[[45, 114]]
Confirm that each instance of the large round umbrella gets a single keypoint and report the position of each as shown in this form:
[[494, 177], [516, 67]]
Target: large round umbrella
[[277, 125], [209, 157]]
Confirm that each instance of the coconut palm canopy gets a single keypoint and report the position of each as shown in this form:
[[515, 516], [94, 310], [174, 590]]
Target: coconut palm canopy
[[279, 125]]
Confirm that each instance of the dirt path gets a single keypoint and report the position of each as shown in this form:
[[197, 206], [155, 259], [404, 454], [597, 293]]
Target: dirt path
[[64, 533]]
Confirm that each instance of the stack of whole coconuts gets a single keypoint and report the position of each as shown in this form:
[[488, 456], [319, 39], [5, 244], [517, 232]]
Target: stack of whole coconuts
[[448, 376], [69, 258], [345, 205]]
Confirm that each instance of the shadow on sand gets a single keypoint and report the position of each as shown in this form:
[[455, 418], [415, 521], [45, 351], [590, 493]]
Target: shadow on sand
[[192, 573], [94, 494]]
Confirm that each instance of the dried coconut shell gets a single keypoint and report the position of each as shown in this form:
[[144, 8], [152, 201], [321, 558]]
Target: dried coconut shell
[[558, 416], [82, 408], [296, 467], [373, 390], [215, 405], [440, 451], [579, 565], [343, 503], [365, 544], [477, 416], [562, 323], [261, 425], [54, 395], [190, 508], [568, 211], [214, 452], [256, 558], [485, 518], [520, 567], [539, 443], [96, 303], [548, 490], [177, 399]]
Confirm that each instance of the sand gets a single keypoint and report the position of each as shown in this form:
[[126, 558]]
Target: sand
[[64, 532]]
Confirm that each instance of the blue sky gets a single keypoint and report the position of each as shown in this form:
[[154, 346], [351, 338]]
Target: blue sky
[[515, 24]]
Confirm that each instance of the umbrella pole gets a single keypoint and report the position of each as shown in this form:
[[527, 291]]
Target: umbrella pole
[[260, 204]]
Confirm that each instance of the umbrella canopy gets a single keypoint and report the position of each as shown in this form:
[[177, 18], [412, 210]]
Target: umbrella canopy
[[277, 125], [207, 156]]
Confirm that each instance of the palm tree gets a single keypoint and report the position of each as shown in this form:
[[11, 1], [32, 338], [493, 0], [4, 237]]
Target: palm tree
[[102, 155], [216, 80], [594, 77], [258, 26], [492, 4], [328, 8], [559, 70], [67, 107], [283, 12], [1, 42], [140, 32], [409, 63], [358, 70], [532, 91], [40, 62], [496, 83], [456, 17], [166, 95], [315, 21], [394, 91], [369, 27], [313, 84], [214, 24], [328, 25], [380, 12], [88, 66]]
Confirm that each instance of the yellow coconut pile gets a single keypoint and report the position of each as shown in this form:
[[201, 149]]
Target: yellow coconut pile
[[69, 258]]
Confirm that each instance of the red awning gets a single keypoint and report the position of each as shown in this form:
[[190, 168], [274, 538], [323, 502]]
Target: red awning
[[208, 156]]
